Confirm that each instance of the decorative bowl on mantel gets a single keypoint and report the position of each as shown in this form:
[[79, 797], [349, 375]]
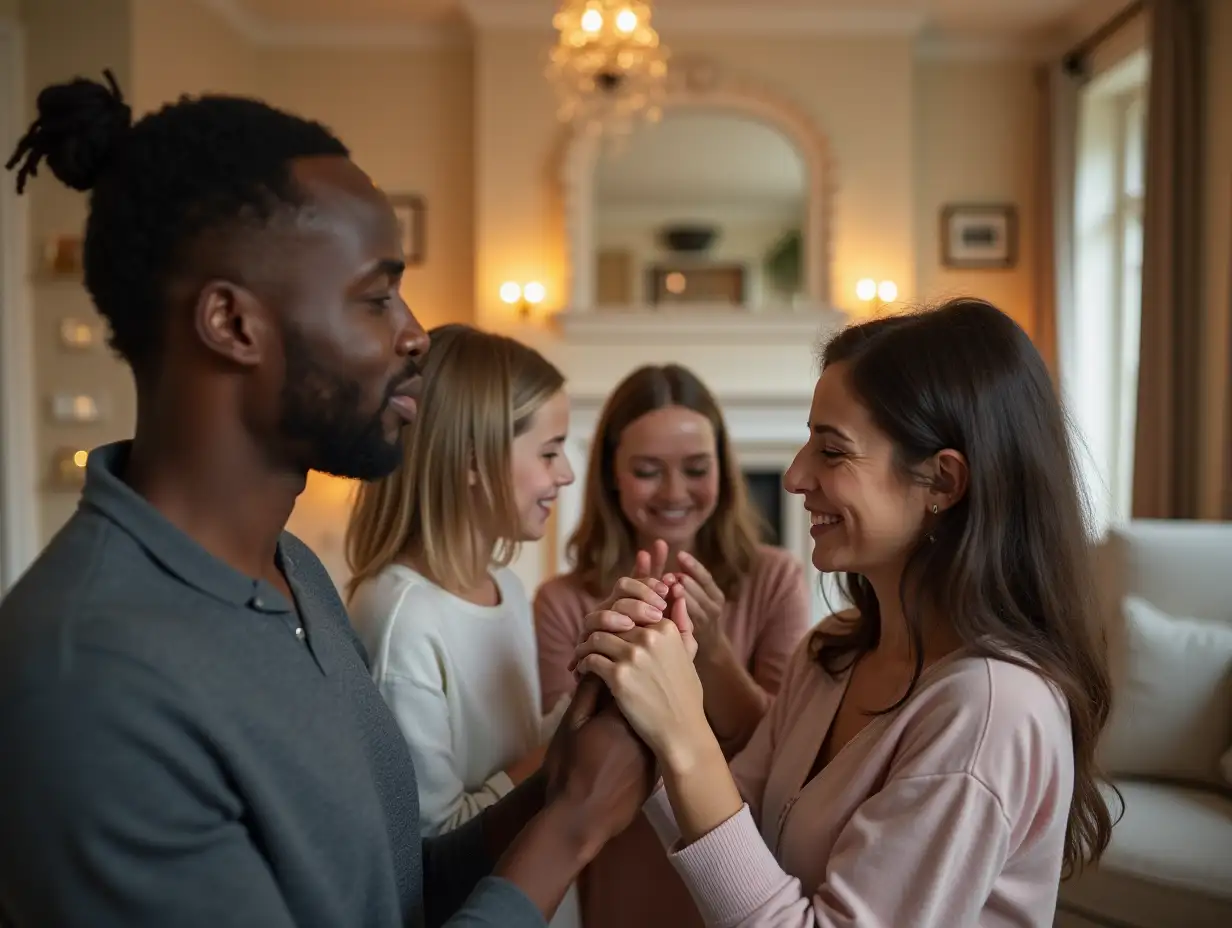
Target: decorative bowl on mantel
[[688, 239]]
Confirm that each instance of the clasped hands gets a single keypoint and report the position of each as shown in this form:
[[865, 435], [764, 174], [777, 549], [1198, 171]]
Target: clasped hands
[[641, 642]]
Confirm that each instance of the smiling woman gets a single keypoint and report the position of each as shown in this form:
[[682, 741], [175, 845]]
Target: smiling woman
[[930, 758], [662, 474]]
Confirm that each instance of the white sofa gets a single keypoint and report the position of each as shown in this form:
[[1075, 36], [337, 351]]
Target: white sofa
[[1166, 589]]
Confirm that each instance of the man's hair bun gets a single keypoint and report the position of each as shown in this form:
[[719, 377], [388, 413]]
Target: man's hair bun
[[80, 125]]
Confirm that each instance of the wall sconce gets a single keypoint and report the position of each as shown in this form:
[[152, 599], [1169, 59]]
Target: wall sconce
[[876, 295], [525, 297], [78, 335], [77, 408], [68, 469]]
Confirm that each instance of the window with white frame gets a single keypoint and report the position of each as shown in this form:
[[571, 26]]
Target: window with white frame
[[1109, 185]]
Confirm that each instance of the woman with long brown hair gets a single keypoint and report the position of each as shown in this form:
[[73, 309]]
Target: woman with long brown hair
[[930, 760], [662, 476]]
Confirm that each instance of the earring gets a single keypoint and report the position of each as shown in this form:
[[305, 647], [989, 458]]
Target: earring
[[932, 536], [936, 509]]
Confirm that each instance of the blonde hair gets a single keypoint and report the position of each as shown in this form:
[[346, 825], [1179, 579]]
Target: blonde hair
[[480, 392], [604, 546]]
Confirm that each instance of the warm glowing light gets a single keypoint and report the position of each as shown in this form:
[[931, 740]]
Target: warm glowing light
[[534, 292], [592, 21], [80, 457], [866, 289], [887, 291], [675, 282], [510, 292], [608, 66]]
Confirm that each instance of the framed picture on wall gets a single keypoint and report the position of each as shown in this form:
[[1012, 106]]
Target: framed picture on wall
[[708, 284], [412, 213], [63, 257], [976, 236]]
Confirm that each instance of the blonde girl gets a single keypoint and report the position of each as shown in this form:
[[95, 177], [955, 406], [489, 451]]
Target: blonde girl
[[446, 623]]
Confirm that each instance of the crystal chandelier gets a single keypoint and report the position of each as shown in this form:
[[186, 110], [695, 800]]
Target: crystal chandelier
[[608, 66]]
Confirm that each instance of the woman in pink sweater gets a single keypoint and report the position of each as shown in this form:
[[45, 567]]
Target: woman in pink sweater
[[662, 476], [930, 759]]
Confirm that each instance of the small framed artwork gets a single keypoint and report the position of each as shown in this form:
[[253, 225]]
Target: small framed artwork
[[412, 213], [979, 236], [711, 284], [62, 256]]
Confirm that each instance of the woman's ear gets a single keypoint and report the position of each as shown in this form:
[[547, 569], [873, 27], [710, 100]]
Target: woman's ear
[[950, 475]]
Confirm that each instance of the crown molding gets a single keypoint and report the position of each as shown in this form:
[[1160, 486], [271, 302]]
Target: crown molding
[[237, 16], [951, 47], [753, 19], [528, 15], [264, 32]]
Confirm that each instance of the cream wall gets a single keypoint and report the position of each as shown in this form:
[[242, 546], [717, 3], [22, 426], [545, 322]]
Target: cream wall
[[158, 49], [181, 46], [405, 113], [65, 38], [857, 90], [473, 129], [975, 133]]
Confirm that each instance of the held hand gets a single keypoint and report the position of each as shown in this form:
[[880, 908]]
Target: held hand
[[599, 774], [642, 599], [631, 612], [606, 774], [633, 601], [651, 564], [650, 673], [705, 599], [588, 698]]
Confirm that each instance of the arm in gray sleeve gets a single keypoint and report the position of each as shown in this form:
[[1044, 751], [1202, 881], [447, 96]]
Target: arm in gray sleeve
[[459, 890], [114, 811]]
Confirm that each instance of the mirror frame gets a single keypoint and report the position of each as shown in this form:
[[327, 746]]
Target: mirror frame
[[699, 84]]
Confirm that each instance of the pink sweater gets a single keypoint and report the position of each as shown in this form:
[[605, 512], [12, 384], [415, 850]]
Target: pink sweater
[[948, 813], [631, 884]]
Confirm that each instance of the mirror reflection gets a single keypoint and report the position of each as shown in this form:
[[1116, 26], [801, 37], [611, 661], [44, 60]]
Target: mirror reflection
[[702, 209]]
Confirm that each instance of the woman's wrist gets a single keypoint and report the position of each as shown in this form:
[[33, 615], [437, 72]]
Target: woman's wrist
[[690, 752], [701, 791], [713, 645]]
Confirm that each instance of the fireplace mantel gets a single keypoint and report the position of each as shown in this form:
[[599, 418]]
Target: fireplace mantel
[[710, 325]]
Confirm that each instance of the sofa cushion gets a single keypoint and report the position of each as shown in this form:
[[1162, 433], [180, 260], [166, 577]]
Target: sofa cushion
[[1181, 567], [1169, 862], [1172, 716]]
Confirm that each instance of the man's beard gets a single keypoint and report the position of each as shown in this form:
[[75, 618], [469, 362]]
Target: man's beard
[[322, 416]]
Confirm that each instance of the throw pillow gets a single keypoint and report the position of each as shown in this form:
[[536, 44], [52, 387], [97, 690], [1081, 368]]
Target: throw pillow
[[1172, 708]]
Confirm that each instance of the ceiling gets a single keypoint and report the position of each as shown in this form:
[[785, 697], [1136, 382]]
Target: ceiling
[[1001, 17], [702, 157]]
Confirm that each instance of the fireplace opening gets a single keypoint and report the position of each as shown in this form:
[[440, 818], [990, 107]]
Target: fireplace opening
[[766, 493]]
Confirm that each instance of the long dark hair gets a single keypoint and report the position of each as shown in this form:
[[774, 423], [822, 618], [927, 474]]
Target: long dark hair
[[1010, 564]]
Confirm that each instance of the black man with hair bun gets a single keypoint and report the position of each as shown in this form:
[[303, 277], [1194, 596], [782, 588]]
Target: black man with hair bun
[[191, 736]]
